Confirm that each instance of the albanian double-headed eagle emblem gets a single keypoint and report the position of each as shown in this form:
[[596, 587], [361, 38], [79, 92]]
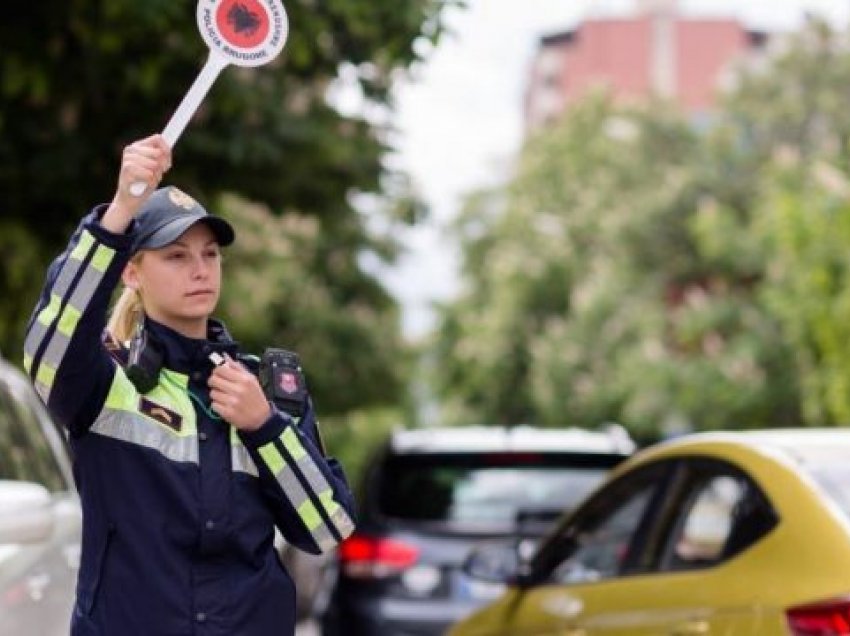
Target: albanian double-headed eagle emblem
[[243, 20]]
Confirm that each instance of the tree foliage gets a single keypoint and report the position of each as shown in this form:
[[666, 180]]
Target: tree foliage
[[79, 80], [313, 298], [794, 116], [640, 269]]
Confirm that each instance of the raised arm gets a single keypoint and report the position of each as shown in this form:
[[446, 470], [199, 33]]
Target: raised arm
[[63, 354]]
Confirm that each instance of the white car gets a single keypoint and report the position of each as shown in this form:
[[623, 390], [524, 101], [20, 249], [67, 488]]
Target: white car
[[40, 518]]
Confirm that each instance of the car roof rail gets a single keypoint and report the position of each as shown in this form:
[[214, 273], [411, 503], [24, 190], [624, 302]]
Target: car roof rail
[[611, 438]]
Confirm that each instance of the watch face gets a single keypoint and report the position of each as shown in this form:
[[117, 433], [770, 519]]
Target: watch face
[[243, 32]]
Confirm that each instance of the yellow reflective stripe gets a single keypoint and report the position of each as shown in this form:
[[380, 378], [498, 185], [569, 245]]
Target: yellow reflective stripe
[[123, 396], [122, 420], [317, 482], [328, 502], [272, 457], [82, 248], [297, 496], [61, 286], [180, 379], [292, 444], [27, 363], [45, 376], [47, 315], [102, 258], [309, 515], [173, 393], [69, 320]]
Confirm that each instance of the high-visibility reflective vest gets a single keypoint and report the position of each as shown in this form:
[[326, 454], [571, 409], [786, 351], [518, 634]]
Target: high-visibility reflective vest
[[179, 508]]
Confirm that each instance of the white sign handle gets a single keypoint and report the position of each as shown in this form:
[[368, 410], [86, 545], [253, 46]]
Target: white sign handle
[[190, 103]]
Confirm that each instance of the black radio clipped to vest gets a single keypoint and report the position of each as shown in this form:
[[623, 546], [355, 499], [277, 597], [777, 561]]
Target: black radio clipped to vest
[[283, 381]]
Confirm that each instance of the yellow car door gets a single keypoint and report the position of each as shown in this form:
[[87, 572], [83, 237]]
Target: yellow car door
[[541, 611], [654, 605], [690, 584], [584, 556], [588, 548]]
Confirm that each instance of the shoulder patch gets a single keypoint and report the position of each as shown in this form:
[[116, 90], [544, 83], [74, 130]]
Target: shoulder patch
[[161, 414], [118, 351]]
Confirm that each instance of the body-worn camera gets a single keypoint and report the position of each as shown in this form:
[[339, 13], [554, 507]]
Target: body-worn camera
[[144, 361], [283, 381], [279, 371]]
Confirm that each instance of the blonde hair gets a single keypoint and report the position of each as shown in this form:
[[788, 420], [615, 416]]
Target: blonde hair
[[125, 315], [127, 311]]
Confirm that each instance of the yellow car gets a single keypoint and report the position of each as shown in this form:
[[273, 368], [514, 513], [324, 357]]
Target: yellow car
[[738, 533]]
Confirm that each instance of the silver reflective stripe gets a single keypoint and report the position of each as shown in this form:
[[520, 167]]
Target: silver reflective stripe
[[55, 350], [142, 431], [339, 517], [344, 524], [69, 317], [44, 380], [325, 540], [59, 290], [298, 497], [34, 339], [240, 459]]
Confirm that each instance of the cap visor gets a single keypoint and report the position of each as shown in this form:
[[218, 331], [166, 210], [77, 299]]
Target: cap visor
[[171, 231]]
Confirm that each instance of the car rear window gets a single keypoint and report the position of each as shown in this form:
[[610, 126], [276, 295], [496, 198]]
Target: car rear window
[[25, 451], [834, 478], [495, 488]]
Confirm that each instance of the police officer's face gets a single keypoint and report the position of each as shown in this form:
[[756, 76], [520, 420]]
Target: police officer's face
[[180, 283]]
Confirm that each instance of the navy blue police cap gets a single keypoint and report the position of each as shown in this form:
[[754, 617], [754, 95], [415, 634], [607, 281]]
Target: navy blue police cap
[[168, 213]]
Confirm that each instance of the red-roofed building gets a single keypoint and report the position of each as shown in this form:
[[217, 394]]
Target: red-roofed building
[[655, 52]]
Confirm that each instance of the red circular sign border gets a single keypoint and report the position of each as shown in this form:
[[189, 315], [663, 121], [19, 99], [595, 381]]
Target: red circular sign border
[[224, 22]]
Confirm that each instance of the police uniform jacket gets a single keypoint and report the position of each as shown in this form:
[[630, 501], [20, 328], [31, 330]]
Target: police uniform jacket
[[179, 508]]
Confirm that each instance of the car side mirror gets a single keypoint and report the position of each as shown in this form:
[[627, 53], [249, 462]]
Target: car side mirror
[[26, 512], [493, 564]]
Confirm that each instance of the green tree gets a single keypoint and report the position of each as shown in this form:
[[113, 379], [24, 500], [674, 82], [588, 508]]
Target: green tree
[[639, 270], [780, 212], [561, 252], [805, 227], [353, 354], [592, 295], [79, 80]]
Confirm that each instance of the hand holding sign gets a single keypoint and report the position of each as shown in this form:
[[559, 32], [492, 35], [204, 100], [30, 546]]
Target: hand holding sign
[[240, 32]]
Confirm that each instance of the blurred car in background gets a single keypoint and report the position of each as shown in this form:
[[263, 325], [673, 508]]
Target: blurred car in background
[[40, 518], [430, 496], [718, 533]]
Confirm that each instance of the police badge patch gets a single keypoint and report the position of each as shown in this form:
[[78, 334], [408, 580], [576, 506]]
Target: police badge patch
[[181, 199], [160, 413]]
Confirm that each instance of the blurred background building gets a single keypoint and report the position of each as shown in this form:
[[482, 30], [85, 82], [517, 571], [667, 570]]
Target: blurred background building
[[656, 51]]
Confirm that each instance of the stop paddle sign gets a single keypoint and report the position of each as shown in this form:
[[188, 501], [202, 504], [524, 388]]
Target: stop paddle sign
[[240, 32]]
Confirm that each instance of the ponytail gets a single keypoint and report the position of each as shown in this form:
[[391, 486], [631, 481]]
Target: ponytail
[[125, 315]]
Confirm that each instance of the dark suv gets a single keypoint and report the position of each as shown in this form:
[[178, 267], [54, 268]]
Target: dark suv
[[430, 496]]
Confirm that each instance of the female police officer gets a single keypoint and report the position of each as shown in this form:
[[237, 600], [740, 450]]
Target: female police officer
[[182, 481]]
